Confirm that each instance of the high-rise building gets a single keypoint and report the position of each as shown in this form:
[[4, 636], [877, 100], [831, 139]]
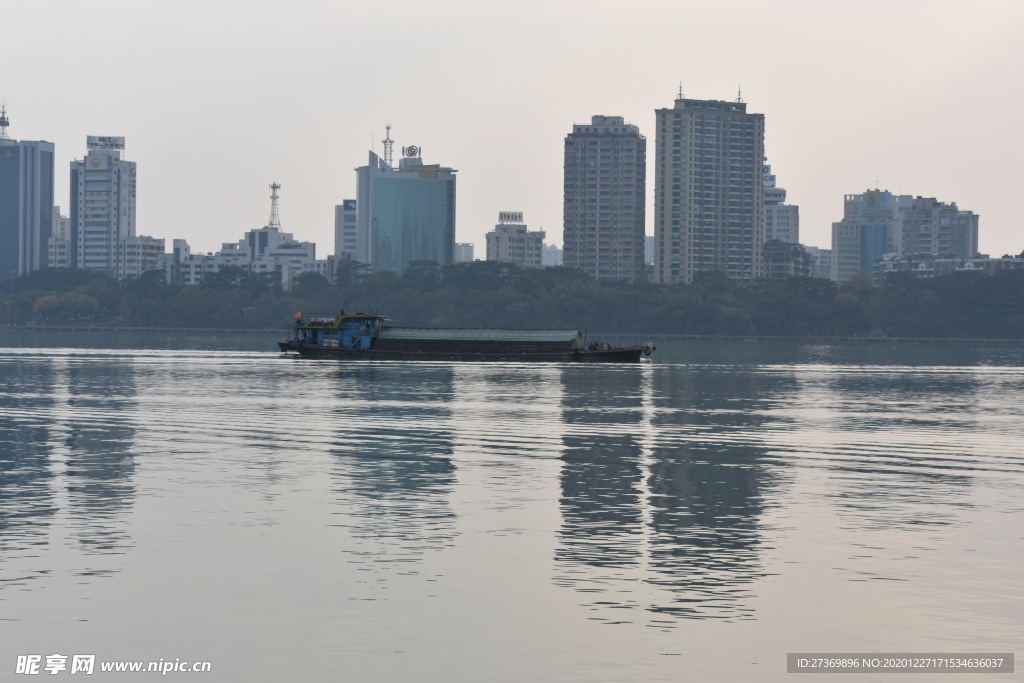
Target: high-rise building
[[877, 222], [709, 192], [345, 233], [822, 259], [102, 207], [139, 254], [781, 220], [785, 259], [26, 203], [59, 244], [928, 226], [463, 252], [604, 191], [866, 232], [649, 250], [511, 241], [404, 214], [551, 256]]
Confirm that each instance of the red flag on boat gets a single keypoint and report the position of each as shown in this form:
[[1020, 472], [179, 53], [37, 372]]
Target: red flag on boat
[[297, 315]]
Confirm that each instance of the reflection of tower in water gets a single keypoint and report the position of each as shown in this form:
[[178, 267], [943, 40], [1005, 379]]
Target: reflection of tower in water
[[27, 501], [394, 468], [661, 493], [100, 461], [69, 452]]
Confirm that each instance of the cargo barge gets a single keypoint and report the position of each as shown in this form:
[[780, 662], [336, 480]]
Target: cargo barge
[[371, 336]]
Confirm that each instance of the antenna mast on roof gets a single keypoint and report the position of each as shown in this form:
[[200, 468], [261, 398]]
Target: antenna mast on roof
[[680, 96], [739, 95], [4, 123], [275, 220], [388, 142]]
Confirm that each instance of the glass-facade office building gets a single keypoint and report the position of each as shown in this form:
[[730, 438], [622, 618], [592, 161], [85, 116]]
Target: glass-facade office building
[[405, 214], [26, 205]]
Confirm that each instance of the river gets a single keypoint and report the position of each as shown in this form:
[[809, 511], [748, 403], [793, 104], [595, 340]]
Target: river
[[696, 517]]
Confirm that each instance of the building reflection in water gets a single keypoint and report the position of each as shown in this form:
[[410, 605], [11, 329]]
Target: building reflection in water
[[98, 436], [27, 501], [893, 473], [394, 471], [661, 491], [66, 459]]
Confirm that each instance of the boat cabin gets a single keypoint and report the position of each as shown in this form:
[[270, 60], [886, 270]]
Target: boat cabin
[[357, 331]]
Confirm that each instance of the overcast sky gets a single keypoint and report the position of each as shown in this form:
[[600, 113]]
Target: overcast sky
[[217, 99]]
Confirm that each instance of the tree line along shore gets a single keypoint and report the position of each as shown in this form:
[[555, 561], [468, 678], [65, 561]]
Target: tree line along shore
[[494, 294]]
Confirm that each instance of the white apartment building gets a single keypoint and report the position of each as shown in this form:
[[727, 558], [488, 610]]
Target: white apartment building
[[103, 208], [264, 250], [59, 245], [139, 254], [185, 268], [822, 260], [781, 220], [551, 255], [463, 252], [928, 226], [345, 235], [511, 241]]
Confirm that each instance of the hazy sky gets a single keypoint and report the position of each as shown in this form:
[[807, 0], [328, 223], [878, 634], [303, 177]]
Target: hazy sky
[[217, 99]]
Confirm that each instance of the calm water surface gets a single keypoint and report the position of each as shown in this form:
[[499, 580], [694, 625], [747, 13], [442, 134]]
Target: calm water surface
[[691, 518]]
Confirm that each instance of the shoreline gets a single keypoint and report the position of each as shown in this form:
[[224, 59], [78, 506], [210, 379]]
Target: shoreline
[[618, 335], [91, 328]]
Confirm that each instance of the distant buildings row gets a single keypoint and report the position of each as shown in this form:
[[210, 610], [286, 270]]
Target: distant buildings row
[[716, 207], [878, 223], [100, 232]]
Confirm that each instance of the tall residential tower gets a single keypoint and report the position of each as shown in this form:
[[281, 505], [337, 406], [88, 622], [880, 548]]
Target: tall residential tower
[[708, 190], [102, 208], [781, 220], [605, 186], [866, 232], [928, 226]]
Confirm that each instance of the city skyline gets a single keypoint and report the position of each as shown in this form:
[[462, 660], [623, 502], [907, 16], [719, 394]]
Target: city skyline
[[276, 118]]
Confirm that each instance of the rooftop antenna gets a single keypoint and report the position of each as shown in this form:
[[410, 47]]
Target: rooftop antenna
[[275, 220], [388, 142], [680, 91], [739, 94], [4, 123]]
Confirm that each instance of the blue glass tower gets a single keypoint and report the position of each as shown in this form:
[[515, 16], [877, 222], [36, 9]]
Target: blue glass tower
[[405, 214], [26, 205]]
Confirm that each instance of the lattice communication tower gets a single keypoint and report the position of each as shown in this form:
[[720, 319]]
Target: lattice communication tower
[[275, 220], [388, 143]]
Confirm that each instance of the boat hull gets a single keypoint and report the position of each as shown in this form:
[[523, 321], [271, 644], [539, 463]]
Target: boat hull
[[626, 355]]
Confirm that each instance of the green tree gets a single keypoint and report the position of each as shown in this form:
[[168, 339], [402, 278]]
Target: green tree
[[68, 304], [307, 285]]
